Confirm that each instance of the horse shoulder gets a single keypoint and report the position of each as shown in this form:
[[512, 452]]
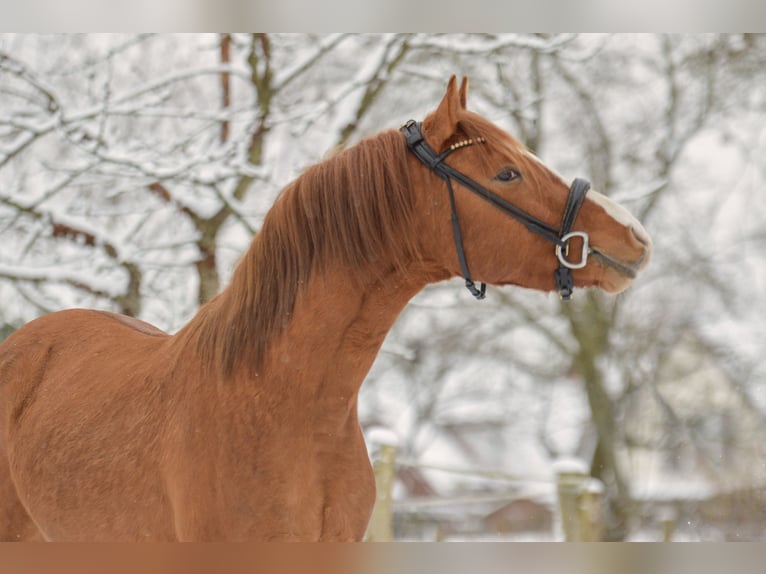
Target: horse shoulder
[[69, 341]]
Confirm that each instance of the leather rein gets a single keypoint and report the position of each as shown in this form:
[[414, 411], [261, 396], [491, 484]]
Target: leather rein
[[559, 236]]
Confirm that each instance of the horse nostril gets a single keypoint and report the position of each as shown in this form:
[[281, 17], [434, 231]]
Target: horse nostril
[[641, 236]]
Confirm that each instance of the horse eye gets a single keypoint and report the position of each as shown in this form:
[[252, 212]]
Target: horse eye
[[507, 174]]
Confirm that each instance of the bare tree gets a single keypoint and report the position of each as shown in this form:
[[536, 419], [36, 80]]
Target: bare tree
[[134, 169]]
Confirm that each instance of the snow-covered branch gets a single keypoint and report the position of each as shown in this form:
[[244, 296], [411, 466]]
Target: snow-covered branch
[[487, 44]]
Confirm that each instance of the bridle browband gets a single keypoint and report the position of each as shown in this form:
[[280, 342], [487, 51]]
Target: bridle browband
[[560, 236]]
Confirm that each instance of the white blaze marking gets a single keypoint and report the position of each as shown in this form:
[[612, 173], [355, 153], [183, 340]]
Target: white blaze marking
[[618, 213], [613, 209]]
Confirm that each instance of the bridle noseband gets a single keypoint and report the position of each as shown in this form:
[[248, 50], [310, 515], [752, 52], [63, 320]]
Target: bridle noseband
[[560, 236]]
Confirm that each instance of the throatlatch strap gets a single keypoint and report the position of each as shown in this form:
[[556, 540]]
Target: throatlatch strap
[[469, 284]]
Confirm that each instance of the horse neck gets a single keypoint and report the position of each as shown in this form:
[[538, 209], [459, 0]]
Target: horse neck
[[336, 327], [336, 330], [325, 278]]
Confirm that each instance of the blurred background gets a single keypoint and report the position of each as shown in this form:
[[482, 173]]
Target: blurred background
[[134, 169]]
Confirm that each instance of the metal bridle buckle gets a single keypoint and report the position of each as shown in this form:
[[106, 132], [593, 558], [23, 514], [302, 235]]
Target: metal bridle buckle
[[562, 255]]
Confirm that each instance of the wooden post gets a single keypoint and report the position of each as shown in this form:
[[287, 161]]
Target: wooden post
[[381, 527], [580, 502], [668, 517], [570, 477], [591, 511]]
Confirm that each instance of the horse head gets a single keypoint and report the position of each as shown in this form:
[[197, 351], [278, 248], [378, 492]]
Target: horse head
[[514, 220]]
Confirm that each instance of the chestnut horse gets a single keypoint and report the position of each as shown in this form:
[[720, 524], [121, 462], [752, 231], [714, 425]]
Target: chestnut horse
[[243, 425]]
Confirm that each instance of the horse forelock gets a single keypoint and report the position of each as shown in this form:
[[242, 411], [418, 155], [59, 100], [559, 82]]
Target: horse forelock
[[354, 209]]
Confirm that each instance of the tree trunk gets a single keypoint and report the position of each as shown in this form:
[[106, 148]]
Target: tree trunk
[[591, 323]]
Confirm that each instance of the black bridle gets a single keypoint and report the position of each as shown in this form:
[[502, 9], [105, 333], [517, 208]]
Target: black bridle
[[559, 236]]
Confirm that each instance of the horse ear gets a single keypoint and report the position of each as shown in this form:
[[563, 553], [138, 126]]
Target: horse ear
[[442, 124], [464, 92]]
